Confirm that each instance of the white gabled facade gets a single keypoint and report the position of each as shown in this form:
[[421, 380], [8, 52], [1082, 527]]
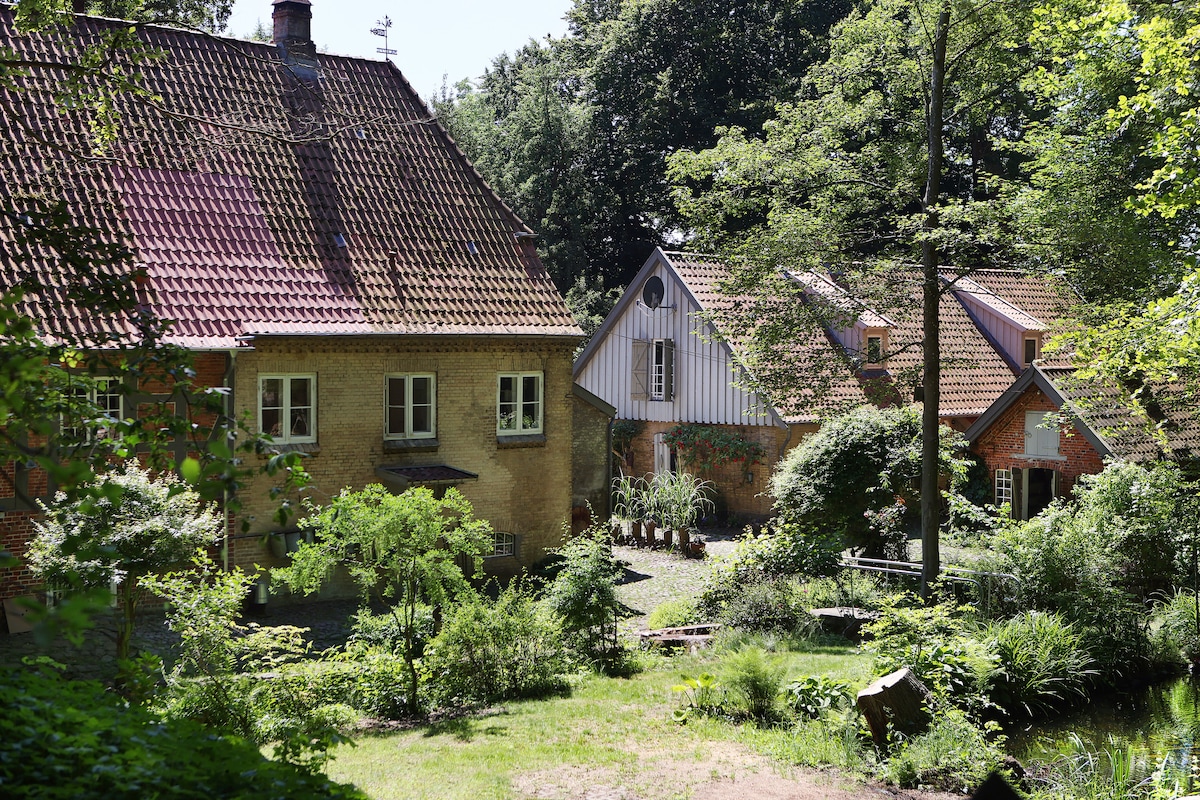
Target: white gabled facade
[[665, 363]]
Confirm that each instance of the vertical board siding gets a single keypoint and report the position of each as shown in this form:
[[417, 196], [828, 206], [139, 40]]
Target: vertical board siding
[[704, 393]]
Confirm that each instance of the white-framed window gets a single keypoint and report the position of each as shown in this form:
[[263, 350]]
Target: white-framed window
[[410, 406], [503, 544], [287, 408], [1041, 435], [662, 369], [519, 403], [1032, 349], [1004, 487], [104, 394], [874, 352]]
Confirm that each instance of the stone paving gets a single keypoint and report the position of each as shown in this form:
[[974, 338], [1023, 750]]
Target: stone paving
[[328, 623]]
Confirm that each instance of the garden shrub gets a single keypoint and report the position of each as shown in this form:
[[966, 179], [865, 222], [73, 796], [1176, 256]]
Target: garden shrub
[[385, 630], [500, 649], [1177, 624], [244, 680], [769, 605], [935, 642], [674, 614], [381, 685], [1100, 560], [753, 680], [72, 739], [1043, 663], [954, 755], [856, 478], [583, 594], [784, 550], [814, 695]]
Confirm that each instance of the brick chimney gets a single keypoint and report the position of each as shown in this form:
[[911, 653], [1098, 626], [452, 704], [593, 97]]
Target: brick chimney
[[293, 30]]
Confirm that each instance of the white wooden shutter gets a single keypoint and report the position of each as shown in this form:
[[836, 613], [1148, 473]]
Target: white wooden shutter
[[668, 369]]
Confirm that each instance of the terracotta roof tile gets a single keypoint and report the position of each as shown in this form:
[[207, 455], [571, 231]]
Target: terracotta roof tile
[[237, 229]]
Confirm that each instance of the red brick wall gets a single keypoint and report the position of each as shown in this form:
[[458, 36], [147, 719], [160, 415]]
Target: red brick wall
[[1002, 444], [746, 499], [16, 522]]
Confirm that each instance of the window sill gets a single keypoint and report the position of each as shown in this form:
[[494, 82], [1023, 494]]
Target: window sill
[[307, 448], [410, 445], [521, 440]]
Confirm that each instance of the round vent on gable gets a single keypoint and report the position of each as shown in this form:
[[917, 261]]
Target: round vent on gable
[[653, 291]]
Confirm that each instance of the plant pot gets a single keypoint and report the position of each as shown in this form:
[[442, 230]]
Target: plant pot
[[696, 549], [277, 544], [294, 538]]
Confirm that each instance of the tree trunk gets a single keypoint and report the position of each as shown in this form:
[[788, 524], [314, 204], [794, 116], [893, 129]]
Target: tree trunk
[[931, 300], [899, 699]]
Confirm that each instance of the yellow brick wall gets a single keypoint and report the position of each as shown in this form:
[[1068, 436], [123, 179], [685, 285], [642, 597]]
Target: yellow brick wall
[[524, 490]]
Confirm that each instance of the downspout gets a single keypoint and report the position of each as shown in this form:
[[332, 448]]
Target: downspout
[[608, 473], [229, 411]]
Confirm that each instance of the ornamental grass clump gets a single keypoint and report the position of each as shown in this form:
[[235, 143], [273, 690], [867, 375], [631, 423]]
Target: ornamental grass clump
[[1043, 663]]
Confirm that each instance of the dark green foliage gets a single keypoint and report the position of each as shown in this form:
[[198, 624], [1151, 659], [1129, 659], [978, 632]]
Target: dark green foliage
[[69, 739], [813, 695], [502, 649], [1043, 663], [753, 679], [584, 594], [575, 132], [856, 478], [1101, 559], [784, 551], [385, 631], [767, 605]]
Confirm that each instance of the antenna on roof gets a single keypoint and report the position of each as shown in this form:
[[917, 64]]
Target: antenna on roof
[[384, 24]]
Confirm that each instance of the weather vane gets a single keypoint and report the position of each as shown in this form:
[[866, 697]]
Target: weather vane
[[384, 24]]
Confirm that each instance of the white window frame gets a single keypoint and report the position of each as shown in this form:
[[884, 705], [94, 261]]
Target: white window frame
[[1037, 348], [1004, 487], [662, 365], [286, 436], [520, 428], [408, 405], [868, 335], [504, 545], [1037, 435], [100, 388]]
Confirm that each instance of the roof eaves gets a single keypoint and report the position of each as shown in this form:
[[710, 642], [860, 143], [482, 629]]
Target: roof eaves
[[622, 303]]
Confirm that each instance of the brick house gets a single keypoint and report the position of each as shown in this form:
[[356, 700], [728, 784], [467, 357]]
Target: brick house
[[660, 362], [1050, 427], [329, 256]]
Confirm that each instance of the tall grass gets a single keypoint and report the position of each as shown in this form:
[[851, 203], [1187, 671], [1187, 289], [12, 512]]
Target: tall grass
[[1043, 663]]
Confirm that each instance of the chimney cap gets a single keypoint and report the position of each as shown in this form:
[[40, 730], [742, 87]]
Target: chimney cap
[[297, 2]]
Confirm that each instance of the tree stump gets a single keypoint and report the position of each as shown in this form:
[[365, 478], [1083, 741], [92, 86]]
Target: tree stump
[[899, 699]]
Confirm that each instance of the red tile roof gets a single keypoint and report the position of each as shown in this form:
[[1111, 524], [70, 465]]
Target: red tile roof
[[974, 373], [262, 201], [702, 274]]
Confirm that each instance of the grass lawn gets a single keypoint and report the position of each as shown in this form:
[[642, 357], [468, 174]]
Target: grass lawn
[[612, 738]]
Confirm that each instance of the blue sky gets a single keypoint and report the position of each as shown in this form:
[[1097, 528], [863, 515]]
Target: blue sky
[[458, 38]]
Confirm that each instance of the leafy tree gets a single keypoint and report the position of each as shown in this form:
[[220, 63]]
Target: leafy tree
[[584, 593], [857, 478], [884, 172], [402, 548], [130, 526], [69, 739], [576, 131]]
